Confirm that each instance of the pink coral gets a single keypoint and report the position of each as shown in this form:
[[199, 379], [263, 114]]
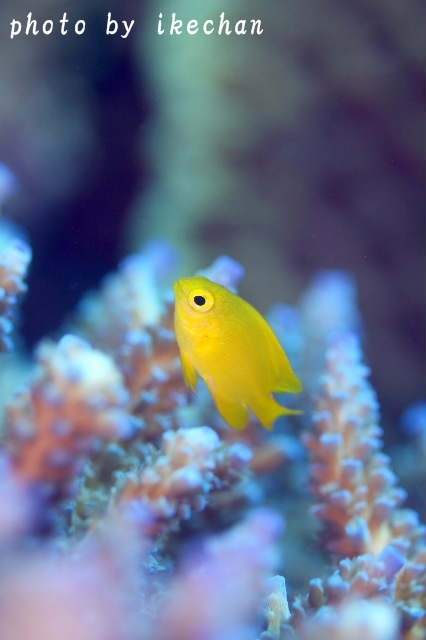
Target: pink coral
[[218, 594], [355, 488], [192, 464], [75, 400], [16, 508], [132, 320], [375, 620], [358, 499], [15, 257], [150, 363], [88, 594]]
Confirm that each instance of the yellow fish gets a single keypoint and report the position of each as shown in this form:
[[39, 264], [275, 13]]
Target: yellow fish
[[223, 339]]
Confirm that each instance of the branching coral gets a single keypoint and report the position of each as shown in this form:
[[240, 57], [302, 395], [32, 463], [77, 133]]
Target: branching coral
[[328, 306], [192, 464], [15, 257], [132, 320], [352, 480], [358, 500], [268, 166], [277, 612], [149, 361], [102, 428], [366, 576], [75, 401], [130, 300], [387, 577]]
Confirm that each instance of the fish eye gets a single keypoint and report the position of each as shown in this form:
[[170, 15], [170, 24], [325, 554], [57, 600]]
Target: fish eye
[[201, 300]]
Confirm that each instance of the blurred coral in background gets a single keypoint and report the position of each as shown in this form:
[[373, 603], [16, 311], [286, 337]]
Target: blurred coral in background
[[128, 509], [119, 503]]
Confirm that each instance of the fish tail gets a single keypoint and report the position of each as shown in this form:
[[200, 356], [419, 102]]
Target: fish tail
[[269, 410]]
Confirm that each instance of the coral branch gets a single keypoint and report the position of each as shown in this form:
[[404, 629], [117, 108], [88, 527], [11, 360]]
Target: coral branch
[[15, 257], [327, 308], [277, 612], [358, 500], [388, 576], [132, 320], [75, 400], [149, 361], [193, 464], [367, 576], [130, 299], [355, 488]]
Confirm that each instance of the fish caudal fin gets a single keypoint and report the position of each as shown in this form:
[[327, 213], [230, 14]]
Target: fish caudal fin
[[269, 410]]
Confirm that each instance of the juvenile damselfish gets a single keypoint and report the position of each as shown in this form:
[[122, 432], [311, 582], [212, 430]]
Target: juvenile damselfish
[[225, 341]]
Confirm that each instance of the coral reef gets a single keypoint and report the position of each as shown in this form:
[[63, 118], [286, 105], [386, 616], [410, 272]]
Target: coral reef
[[129, 503], [128, 509]]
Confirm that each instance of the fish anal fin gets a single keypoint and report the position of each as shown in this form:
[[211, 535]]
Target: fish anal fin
[[189, 373], [234, 413]]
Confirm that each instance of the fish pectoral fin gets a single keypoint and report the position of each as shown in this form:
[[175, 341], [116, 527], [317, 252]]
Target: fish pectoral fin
[[189, 372], [234, 413], [268, 410]]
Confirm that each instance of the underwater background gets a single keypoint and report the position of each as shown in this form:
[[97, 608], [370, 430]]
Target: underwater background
[[290, 167]]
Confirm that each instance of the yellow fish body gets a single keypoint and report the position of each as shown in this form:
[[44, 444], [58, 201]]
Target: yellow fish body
[[223, 339]]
